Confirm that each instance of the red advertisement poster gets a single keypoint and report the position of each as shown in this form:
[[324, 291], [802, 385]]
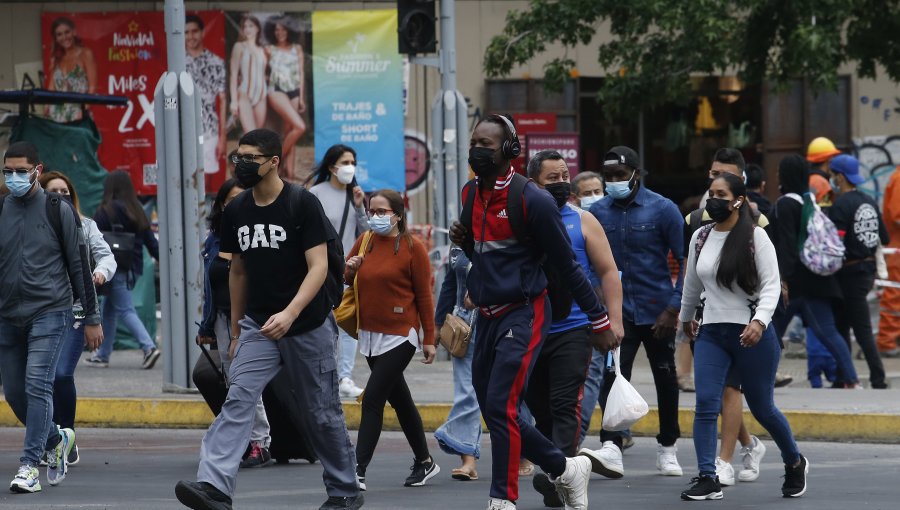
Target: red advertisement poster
[[527, 123], [566, 144], [118, 53]]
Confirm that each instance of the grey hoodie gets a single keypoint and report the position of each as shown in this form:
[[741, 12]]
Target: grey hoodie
[[38, 272]]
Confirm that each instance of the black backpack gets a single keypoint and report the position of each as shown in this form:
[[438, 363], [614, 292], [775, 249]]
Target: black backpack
[[334, 280], [557, 290]]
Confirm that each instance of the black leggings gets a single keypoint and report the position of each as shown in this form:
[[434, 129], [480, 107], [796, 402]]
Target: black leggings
[[386, 384]]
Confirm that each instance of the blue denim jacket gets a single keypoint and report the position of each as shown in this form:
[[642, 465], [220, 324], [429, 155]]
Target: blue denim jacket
[[210, 252], [641, 234], [453, 290]]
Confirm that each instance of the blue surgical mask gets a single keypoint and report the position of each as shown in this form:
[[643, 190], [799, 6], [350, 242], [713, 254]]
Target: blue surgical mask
[[381, 225], [834, 184], [587, 202], [621, 189], [19, 185]]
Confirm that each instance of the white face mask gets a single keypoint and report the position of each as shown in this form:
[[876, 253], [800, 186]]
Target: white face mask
[[588, 201], [345, 174]]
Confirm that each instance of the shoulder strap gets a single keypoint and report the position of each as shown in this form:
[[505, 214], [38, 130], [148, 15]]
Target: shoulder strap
[[294, 194], [515, 203], [2, 201], [54, 214], [701, 239], [696, 218], [465, 216], [346, 213]]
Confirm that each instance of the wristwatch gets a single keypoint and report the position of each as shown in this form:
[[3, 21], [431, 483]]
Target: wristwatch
[[235, 338], [761, 323]]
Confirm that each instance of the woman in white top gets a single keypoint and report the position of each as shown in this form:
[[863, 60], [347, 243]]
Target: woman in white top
[[248, 75], [732, 275]]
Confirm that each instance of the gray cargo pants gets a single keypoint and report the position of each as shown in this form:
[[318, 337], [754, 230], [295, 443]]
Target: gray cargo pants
[[310, 362]]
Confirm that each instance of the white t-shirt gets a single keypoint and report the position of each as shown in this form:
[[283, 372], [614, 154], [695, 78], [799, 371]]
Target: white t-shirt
[[723, 304]]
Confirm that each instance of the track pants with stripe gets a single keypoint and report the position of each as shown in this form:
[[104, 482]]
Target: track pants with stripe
[[507, 349]]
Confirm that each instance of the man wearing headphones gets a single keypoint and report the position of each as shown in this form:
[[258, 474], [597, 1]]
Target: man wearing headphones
[[507, 284]]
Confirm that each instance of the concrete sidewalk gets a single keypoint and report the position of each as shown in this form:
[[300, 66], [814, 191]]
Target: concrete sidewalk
[[123, 395]]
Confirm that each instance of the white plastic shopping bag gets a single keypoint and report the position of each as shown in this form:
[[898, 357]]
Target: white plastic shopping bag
[[625, 406]]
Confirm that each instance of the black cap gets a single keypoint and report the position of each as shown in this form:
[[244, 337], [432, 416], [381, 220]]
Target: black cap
[[621, 155]]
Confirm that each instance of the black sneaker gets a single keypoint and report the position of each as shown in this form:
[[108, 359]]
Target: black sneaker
[[335, 503], [150, 359], [795, 479], [258, 457], [422, 472], [541, 483], [201, 496], [73, 456], [705, 487]]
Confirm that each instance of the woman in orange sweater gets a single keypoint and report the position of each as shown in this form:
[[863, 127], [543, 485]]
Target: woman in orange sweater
[[393, 280]]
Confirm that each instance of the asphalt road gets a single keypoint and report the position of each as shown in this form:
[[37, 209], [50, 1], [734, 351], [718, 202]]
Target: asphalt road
[[137, 469]]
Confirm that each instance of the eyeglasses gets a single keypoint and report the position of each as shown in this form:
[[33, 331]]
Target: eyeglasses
[[380, 212], [20, 171], [247, 158]]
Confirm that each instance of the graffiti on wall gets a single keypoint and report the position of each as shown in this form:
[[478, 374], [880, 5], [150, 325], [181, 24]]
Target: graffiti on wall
[[878, 158], [883, 106]]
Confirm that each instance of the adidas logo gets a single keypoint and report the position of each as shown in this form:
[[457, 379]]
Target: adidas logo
[[502, 214], [509, 334]]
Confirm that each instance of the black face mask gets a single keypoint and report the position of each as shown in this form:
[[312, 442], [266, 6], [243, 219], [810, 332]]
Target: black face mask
[[560, 191], [247, 174], [481, 159], [717, 208]]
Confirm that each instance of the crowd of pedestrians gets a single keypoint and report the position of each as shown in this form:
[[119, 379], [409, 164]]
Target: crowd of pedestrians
[[547, 274]]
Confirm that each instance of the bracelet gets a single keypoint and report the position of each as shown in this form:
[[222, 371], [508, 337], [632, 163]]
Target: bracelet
[[235, 338]]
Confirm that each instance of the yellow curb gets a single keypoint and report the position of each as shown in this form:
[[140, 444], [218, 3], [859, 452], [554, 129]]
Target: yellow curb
[[160, 413]]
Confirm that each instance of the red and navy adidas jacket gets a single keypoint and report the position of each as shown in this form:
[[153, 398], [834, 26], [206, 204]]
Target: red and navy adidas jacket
[[506, 272]]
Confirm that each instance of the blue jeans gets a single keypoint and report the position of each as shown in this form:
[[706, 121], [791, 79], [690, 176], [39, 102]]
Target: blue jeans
[[346, 355], [64, 394], [29, 353], [461, 434], [819, 316], [716, 350], [118, 304]]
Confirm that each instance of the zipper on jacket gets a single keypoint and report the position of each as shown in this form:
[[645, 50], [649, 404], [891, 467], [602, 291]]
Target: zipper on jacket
[[483, 222]]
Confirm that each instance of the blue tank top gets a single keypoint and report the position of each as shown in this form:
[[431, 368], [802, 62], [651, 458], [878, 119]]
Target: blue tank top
[[571, 218]]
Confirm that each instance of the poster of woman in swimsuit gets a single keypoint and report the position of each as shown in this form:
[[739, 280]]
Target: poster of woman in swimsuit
[[269, 67]]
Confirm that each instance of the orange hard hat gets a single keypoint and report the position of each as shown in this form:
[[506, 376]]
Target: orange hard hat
[[821, 150]]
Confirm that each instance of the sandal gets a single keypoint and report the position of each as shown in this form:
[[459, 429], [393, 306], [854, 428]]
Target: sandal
[[463, 475], [526, 468]]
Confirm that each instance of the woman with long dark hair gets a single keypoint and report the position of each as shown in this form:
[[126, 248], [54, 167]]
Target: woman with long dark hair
[[64, 393], [73, 68], [393, 285], [248, 75], [733, 266], [808, 294], [287, 83], [343, 201], [120, 211]]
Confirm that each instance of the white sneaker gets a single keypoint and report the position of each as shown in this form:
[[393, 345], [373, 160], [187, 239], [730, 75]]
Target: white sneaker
[[752, 455], [57, 458], [500, 504], [667, 461], [725, 472], [573, 483], [26, 480], [607, 461], [349, 389]]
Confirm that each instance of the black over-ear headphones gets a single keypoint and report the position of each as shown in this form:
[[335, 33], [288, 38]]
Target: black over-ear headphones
[[511, 148]]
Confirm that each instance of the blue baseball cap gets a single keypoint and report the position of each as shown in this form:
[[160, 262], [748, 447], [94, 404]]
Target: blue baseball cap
[[849, 167]]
